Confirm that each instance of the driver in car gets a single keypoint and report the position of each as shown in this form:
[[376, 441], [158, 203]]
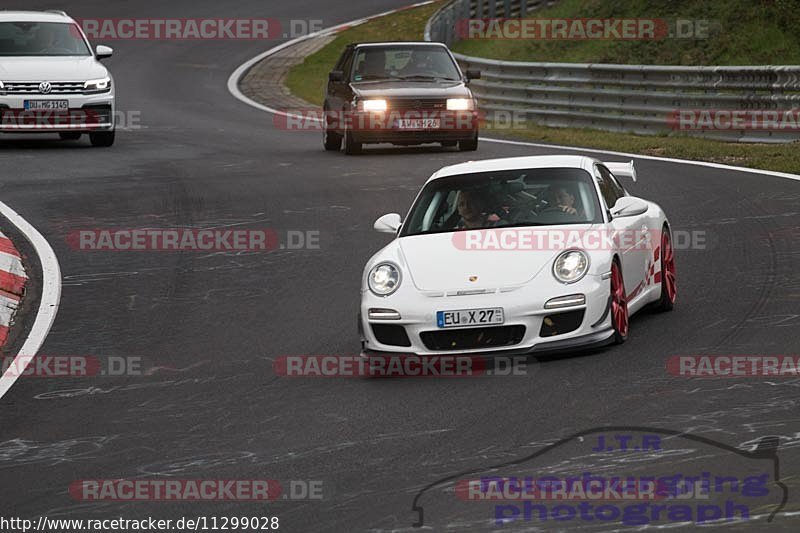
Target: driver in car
[[473, 209], [420, 63], [560, 199]]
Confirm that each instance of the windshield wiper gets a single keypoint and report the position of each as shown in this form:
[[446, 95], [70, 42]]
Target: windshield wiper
[[423, 77]]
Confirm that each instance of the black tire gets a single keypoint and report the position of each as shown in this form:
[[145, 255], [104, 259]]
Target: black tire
[[331, 140], [468, 146], [350, 146], [70, 135], [102, 139]]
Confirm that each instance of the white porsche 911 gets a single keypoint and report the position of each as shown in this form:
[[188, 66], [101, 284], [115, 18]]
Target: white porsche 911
[[521, 255]]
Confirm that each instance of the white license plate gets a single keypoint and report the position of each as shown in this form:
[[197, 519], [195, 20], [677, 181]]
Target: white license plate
[[419, 124], [46, 104], [469, 317]]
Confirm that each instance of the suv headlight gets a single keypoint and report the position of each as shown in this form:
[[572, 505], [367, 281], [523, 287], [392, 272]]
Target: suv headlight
[[2, 88], [97, 86], [571, 266], [460, 104], [383, 279]]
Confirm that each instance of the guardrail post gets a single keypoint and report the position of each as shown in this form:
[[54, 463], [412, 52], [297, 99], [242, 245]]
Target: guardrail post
[[492, 9], [523, 8], [479, 9], [507, 8]]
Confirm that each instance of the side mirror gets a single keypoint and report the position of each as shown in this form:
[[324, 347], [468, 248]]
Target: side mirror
[[336, 75], [103, 52], [388, 223], [629, 206], [473, 74]]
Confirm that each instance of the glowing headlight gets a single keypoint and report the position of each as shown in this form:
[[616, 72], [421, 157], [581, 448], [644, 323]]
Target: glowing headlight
[[383, 279], [460, 104], [102, 84], [372, 105], [570, 266]]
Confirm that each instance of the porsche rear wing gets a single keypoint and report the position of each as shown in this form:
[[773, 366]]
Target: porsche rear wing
[[622, 170]]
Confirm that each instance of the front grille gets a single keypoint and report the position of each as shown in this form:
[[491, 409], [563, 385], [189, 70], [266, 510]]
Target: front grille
[[418, 104], [391, 334], [561, 323], [32, 87], [473, 338]]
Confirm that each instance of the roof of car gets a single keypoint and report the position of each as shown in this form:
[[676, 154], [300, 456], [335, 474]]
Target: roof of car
[[512, 163], [34, 16], [399, 43]]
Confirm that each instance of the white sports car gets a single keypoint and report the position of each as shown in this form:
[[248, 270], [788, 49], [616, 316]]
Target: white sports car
[[520, 255]]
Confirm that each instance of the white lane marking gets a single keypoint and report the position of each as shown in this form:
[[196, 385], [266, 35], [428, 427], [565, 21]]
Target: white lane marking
[[48, 305], [233, 88]]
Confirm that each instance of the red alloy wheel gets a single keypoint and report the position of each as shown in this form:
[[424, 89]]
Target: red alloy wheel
[[668, 269], [619, 305]]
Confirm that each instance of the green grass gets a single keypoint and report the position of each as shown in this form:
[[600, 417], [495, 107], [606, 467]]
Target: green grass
[[307, 80], [741, 32]]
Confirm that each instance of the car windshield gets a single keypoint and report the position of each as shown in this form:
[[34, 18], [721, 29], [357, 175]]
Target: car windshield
[[509, 198], [41, 39], [420, 62]]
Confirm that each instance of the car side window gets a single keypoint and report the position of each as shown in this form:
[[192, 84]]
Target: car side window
[[609, 187]]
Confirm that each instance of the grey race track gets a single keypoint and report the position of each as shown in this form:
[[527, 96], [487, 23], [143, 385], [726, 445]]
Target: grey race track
[[216, 321]]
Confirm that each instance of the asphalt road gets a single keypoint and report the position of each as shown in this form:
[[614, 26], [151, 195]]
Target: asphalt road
[[211, 324]]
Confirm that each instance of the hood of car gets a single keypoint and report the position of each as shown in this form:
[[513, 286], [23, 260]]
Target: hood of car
[[69, 68], [410, 89], [438, 262]]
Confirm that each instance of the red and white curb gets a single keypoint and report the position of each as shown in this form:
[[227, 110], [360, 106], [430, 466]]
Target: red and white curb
[[12, 285]]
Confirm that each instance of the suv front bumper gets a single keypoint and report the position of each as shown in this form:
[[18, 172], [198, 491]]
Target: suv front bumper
[[85, 113]]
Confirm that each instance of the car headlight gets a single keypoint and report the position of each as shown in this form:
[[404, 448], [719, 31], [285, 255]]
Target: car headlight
[[383, 279], [460, 104], [99, 85], [570, 266], [372, 105], [2, 88]]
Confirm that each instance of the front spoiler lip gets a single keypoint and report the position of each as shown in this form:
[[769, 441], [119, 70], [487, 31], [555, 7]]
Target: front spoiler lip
[[597, 339]]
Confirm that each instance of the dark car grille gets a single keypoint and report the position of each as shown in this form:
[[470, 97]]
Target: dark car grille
[[421, 104], [473, 338], [32, 87], [391, 334], [561, 323]]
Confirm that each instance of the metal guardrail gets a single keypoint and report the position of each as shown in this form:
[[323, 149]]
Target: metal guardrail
[[641, 99]]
